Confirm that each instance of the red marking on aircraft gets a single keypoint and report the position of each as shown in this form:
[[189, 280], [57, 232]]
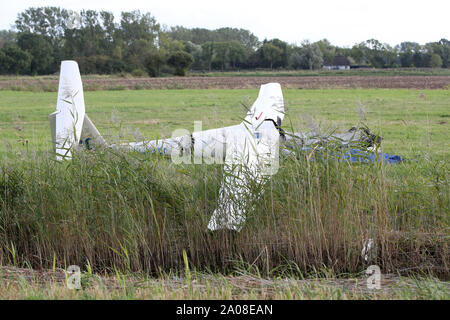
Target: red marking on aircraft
[[259, 116]]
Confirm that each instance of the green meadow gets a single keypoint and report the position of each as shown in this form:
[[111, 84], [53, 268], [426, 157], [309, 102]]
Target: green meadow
[[410, 121]]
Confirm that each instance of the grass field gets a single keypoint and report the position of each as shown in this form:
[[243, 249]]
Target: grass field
[[129, 214], [411, 121]]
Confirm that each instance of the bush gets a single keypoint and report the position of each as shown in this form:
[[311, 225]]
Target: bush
[[41, 51], [181, 61], [138, 73], [435, 61], [100, 64], [14, 60], [153, 63]]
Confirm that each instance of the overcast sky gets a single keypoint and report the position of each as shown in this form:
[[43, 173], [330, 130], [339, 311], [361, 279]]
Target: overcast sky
[[342, 22]]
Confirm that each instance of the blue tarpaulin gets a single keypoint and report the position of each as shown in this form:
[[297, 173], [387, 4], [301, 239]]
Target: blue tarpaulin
[[358, 155]]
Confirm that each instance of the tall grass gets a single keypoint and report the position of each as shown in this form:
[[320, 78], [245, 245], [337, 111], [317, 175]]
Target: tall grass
[[107, 210]]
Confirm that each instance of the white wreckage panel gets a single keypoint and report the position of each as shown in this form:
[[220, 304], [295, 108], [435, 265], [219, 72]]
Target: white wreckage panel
[[250, 157]]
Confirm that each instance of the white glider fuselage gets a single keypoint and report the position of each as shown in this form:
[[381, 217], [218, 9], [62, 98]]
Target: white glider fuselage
[[212, 145]]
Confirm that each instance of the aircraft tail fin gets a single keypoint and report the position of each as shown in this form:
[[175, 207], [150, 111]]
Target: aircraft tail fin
[[67, 122], [268, 106]]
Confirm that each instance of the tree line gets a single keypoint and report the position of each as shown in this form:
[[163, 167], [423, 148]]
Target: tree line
[[138, 44]]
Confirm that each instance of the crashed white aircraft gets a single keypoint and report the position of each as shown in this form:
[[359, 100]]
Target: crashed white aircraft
[[249, 150]]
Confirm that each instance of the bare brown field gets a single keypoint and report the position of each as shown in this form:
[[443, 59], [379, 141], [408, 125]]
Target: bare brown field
[[312, 82]]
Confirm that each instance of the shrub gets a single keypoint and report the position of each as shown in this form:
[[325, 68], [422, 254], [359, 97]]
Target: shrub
[[138, 73], [14, 60], [153, 63], [435, 61], [181, 61]]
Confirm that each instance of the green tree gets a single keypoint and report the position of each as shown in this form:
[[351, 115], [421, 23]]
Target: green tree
[[14, 61], [442, 48], [136, 26], [181, 61], [435, 61], [328, 50], [221, 50], [207, 54], [168, 45], [242, 36], [379, 55], [237, 53], [389, 56], [196, 51], [200, 36], [406, 57], [49, 22], [154, 62], [41, 52], [308, 56], [91, 35], [137, 52], [359, 53], [421, 58], [3, 62], [110, 30], [7, 38], [272, 54], [46, 21], [283, 60]]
